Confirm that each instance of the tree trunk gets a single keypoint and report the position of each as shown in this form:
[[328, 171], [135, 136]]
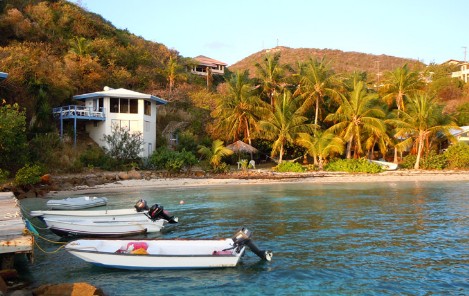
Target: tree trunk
[[349, 149], [316, 115], [395, 155], [419, 154], [281, 154]]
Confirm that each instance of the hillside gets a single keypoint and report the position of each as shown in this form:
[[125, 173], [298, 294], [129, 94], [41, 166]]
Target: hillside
[[340, 61]]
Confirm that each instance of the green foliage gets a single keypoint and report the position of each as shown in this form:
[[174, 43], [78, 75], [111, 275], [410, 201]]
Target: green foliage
[[187, 141], [28, 175], [462, 114], [13, 142], [457, 156], [173, 161], [44, 149], [221, 168], [430, 161], [96, 157], [287, 166], [4, 175], [122, 145], [361, 165], [215, 153]]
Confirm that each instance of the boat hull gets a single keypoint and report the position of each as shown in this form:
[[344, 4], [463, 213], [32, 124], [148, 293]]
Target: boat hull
[[91, 228], [95, 215], [388, 166], [160, 254]]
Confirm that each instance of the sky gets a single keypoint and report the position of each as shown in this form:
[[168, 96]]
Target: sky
[[432, 31]]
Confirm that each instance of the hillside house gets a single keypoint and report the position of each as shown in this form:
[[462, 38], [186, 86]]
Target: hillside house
[[125, 108], [205, 65], [463, 73], [461, 134]]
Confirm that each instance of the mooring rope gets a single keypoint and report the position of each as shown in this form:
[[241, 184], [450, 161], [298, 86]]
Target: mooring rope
[[46, 239]]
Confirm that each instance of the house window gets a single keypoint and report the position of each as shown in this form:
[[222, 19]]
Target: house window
[[146, 126], [147, 108], [124, 106], [133, 106], [119, 105], [114, 108]]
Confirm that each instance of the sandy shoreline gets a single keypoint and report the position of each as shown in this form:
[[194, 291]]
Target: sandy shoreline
[[316, 177]]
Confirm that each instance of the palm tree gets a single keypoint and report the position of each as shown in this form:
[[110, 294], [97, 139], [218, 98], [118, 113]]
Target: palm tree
[[173, 72], [271, 74], [215, 153], [284, 122], [357, 116], [321, 145], [238, 113], [422, 120], [317, 81], [399, 84], [79, 45]]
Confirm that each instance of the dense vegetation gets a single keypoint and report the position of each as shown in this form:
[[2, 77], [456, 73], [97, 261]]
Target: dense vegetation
[[317, 105]]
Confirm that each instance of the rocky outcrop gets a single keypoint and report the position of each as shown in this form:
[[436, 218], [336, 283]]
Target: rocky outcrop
[[76, 289], [72, 181]]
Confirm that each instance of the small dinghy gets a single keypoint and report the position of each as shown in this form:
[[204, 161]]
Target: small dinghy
[[166, 254], [387, 166], [76, 203]]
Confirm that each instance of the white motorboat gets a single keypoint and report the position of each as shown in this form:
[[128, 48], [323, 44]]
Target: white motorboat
[[140, 212], [95, 215], [90, 228], [166, 254], [76, 203], [106, 223], [388, 166]]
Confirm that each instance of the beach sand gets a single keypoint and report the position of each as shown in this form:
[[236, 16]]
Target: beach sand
[[268, 177]]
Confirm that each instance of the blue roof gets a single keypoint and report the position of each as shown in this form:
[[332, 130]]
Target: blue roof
[[120, 93], [3, 75]]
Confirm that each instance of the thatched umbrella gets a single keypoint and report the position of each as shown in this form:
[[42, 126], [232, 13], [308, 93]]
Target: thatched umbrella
[[240, 146]]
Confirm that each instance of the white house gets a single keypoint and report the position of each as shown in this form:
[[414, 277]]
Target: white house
[[124, 108], [462, 74], [205, 64]]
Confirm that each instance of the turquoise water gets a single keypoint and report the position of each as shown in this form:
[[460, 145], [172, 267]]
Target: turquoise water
[[409, 238]]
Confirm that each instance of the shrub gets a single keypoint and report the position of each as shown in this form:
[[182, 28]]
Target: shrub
[[361, 165], [123, 145], [289, 167], [93, 157], [222, 167], [431, 161], [173, 161], [457, 156], [13, 143], [44, 148], [28, 175], [3, 175]]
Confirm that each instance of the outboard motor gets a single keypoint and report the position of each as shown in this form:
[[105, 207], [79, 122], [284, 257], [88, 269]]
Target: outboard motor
[[141, 205], [243, 237], [157, 212]]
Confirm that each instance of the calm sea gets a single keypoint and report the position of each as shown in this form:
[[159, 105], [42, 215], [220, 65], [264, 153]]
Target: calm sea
[[407, 238]]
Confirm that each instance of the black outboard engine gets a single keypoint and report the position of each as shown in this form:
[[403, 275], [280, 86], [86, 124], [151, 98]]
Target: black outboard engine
[[242, 237], [157, 212], [141, 205]]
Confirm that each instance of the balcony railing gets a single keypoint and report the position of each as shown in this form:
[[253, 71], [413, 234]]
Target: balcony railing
[[79, 112]]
